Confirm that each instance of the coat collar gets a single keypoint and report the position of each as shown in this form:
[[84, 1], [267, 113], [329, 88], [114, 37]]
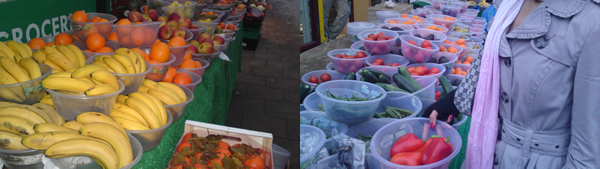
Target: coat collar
[[538, 21]]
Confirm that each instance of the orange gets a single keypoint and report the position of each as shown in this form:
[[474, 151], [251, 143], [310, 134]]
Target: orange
[[141, 53], [210, 12], [80, 16], [469, 59], [460, 41], [203, 13], [170, 74], [89, 51], [113, 36], [137, 23], [182, 79], [187, 64], [393, 21], [231, 26], [125, 40], [233, 12], [137, 37], [150, 35], [187, 55], [155, 42], [222, 25], [160, 52], [404, 15], [89, 29], [126, 29], [104, 28], [177, 41], [198, 64], [104, 49], [63, 39], [95, 41], [95, 19], [36, 43], [241, 6]]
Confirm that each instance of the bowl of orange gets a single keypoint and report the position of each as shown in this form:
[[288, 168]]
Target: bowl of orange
[[156, 57], [85, 24], [187, 79], [136, 35], [178, 46], [132, 81], [194, 65], [107, 49]]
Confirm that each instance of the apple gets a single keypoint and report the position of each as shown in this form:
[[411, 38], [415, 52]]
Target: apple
[[145, 20], [152, 14], [204, 36], [162, 18], [218, 39], [194, 43], [192, 49], [135, 17], [206, 48], [185, 22], [173, 25], [194, 27], [174, 17], [181, 33], [165, 32]]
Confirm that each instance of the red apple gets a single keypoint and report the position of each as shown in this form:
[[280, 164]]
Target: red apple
[[218, 39], [206, 48], [181, 33], [204, 36], [135, 17], [185, 22], [194, 43], [174, 17], [192, 49], [145, 20], [162, 18], [173, 25], [152, 14], [165, 32], [194, 27]]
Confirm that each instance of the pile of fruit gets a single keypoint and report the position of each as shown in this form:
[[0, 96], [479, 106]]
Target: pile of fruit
[[411, 151], [450, 49], [436, 28], [184, 9], [422, 70], [206, 44], [468, 60], [459, 71], [88, 80], [175, 25], [325, 77], [380, 62], [183, 78], [60, 58], [208, 17], [459, 42], [378, 37], [358, 55], [17, 65], [414, 17], [425, 44], [124, 61]]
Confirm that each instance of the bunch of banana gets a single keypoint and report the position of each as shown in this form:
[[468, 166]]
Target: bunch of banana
[[15, 50], [36, 113], [88, 80], [92, 134], [167, 93], [124, 61], [16, 72], [60, 57], [139, 111], [47, 99], [19, 121]]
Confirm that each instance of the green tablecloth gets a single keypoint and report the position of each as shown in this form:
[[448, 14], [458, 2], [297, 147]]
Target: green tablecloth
[[210, 105], [464, 134]]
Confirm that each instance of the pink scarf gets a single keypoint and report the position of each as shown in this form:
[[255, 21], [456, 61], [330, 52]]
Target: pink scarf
[[484, 117]]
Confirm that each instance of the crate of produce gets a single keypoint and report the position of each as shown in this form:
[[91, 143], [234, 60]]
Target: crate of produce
[[251, 44], [253, 22]]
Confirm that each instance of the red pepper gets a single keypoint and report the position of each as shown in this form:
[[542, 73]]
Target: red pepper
[[429, 142], [437, 150], [407, 143], [410, 159]]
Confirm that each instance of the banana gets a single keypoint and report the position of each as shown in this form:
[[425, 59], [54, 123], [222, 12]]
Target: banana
[[9, 95], [129, 124], [145, 111], [17, 58], [22, 113], [132, 56], [87, 79], [126, 63], [100, 89], [96, 81], [175, 89], [115, 65], [103, 154], [143, 89], [4, 104], [60, 74], [143, 65], [99, 58], [120, 114], [92, 117], [50, 49], [32, 109], [121, 98], [44, 140], [50, 127], [31, 67], [16, 125], [68, 54], [11, 141], [55, 67], [47, 99], [39, 56], [15, 46], [128, 110], [78, 53], [27, 48], [14, 69], [73, 125], [6, 50], [162, 114], [86, 70], [164, 98], [5, 77], [106, 78], [148, 101], [153, 85], [61, 61], [119, 141], [68, 84], [51, 112]]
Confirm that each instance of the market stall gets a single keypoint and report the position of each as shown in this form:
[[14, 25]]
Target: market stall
[[376, 82]]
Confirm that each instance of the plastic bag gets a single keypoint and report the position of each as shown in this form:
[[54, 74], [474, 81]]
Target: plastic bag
[[350, 151]]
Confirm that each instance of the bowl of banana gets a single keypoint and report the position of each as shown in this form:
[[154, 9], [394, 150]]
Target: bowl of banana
[[129, 67]]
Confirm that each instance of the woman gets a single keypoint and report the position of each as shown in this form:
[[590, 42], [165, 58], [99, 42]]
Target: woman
[[537, 81]]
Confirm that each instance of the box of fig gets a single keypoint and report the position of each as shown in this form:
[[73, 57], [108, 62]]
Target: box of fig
[[206, 145]]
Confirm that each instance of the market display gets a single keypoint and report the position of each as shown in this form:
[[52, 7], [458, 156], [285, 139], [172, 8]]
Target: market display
[[411, 61]]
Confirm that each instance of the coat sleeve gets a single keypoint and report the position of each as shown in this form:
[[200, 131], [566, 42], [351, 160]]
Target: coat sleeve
[[584, 149]]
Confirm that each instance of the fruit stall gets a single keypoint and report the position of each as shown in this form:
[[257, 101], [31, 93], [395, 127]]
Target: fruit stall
[[148, 91], [362, 104]]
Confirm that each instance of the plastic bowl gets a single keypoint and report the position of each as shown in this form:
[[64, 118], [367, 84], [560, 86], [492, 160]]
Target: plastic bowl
[[460, 49], [358, 46], [329, 66], [436, 3], [463, 67], [159, 70], [461, 27], [425, 25], [132, 82], [441, 21], [149, 139], [403, 100], [208, 57], [323, 122], [84, 29], [390, 71], [177, 110], [353, 28], [209, 27], [109, 43], [478, 23], [186, 10], [228, 40], [334, 75], [462, 4], [346, 66], [199, 71], [388, 59], [472, 11], [383, 140], [451, 60], [311, 102], [198, 10], [475, 40], [87, 162], [368, 128], [463, 51], [400, 20], [416, 53], [69, 106], [459, 35], [427, 94], [188, 36], [475, 30], [197, 32], [455, 79], [378, 47], [406, 28], [179, 53], [450, 10], [426, 32], [220, 14], [429, 65], [28, 92], [383, 15], [350, 112], [137, 35], [196, 79], [22, 159], [226, 9], [307, 160]]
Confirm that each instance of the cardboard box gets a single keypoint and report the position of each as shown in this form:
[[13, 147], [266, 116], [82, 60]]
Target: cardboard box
[[255, 139]]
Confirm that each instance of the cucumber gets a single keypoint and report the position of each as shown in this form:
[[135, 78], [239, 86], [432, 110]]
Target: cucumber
[[377, 73], [384, 79], [389, 88], [404, 84], [350, 76], [304, 91], [402, 71], [443, 59], [369, 77], [445, 85]]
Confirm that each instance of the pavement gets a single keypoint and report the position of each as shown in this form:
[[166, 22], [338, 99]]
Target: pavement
[[266, 96]]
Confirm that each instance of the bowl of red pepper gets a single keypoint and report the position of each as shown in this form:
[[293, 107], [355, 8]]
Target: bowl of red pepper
[[412, 143]]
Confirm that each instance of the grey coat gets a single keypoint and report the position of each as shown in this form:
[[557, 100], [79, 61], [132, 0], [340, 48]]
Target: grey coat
[[550, 88]]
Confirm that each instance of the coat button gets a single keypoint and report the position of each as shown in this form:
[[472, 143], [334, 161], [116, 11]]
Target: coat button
[[495, 159], [504, 97], [541, 42], [507, 62]]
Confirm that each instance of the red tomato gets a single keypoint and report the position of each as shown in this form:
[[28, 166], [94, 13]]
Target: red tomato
[[414, 74], [182, 145], [375, 63], [434, 70], [372, 36], [368, 38], [186, 137], [313, 79], [350, 57], [389, 37], [413, 42], [379, 61], [381, 36], [426, 69], [325, 77], [337, 56], [386, 65], [254, 162], [426, 44], [410, 69], [361, 54], [395, 64], [420, 71]]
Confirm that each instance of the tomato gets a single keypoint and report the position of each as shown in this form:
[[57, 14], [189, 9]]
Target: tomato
[[313, 79], [372, 36], [395, 64], [344, 55], [413, 42], [390, 37], [182, 145], [426, 44], [381, 36], [325, 77], [414, 74], [223, 145], [410, 69], [420, 71], [434, 70], [337, 56], [254, 162], [361, 54], [369, 38], [437, 94], [186, 137], [221, 152], [350, 57]]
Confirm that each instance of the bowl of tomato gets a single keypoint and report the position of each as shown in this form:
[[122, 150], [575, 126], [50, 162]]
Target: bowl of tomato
[[378, 41], [420, 70], [348, 60], [392, 60], [417, 49], [319, 76]]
